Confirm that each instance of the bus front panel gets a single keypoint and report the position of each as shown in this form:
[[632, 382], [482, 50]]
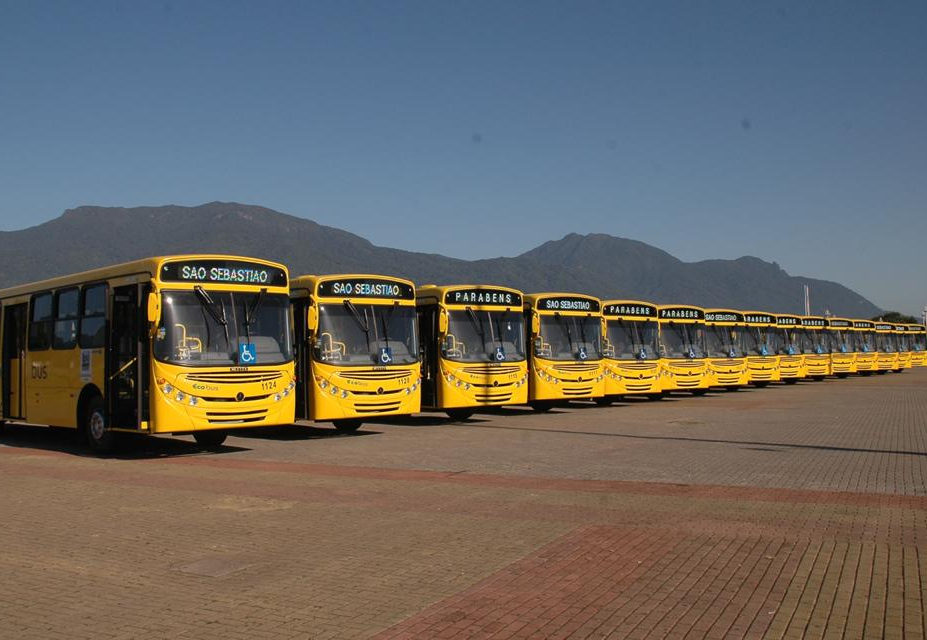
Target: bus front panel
[[724, 339], [760, 339], [682, 349], [632, 349]]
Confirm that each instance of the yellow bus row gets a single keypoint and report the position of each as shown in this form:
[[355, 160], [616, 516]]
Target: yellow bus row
[[202, 344]]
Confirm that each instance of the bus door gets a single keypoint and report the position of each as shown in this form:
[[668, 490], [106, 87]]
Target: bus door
[[124, 357], [430, 352], [14, 356], [304, 379]]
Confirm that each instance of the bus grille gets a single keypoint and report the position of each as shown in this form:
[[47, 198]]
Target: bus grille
[[639, 387], [575, 367], [385, 392], [232, 399], [373, 375], [377, 407], [234, 377], [638, 366], [489, 371], [235, 417], [493, 397], [577, 391]]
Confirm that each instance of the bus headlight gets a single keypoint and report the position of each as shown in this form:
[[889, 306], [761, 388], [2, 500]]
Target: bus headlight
[[334, 390], [181, 396], [167, 389], [344, 393], [276, 397], [467, 386], [194, 401], [290, 386], [323, 384]]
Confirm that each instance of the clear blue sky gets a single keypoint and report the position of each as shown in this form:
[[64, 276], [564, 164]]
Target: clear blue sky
[[796, 132]]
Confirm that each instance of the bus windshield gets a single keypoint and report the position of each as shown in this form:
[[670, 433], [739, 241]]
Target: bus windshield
[[205, 328], [841, 341], [789, 342], [632, 339], [759, 341], [885, 343], [570, 337], [485, 336], [682, 340], [814, 342], [724, 342], [366, 334], [865, 341], [917, 341], [902, 342]]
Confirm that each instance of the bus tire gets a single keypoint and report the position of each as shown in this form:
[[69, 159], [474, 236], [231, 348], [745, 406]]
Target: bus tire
[[542, 406], [760, 384], [459, 414], [210, 439], [93, 423], [699, 392], [2, 426], [347, 425]]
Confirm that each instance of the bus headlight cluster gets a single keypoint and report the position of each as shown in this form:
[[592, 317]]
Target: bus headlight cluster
[[548, 378], [523, 380], [414, 387], [178, 396]]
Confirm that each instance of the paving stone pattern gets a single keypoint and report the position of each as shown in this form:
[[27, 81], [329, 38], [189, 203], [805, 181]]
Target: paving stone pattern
[[787, 512]]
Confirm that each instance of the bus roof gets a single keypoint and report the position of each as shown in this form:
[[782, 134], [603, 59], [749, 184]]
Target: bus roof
[[149, 267]]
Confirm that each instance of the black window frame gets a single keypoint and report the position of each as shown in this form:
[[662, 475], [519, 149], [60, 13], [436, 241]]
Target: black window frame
[[58, 345], [82, 342], [33, 344]]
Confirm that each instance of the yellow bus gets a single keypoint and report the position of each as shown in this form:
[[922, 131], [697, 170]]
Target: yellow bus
[[842, 344], [724, 338], [565, 355], [473, 348], [194, 344], [760, 341], [917, 341], [815, 348], [357, 348], [904, 352], [886, 346], [866, 348], [682, 348], [789, 348], [632, 356]]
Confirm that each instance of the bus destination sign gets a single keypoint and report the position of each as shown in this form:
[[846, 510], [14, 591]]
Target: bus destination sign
[[838, 323], [814, 323], [788, 321], [723, 316], [881, 326], [223, 272], [862, 324], [759, 318], [568, 303], [681, 313], [366, 288], [483, 296], [634, 309]]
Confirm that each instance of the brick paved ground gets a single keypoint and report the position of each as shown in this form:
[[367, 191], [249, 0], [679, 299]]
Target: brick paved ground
[[786, 512]]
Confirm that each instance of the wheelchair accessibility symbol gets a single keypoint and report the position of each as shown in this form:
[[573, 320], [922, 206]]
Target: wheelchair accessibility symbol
[[247, 354], [499, 355], [582, 353], [386, 355]]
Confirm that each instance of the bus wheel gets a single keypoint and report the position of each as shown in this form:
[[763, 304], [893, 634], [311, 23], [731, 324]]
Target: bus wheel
[[542, 406], [699, 392], [347, 425], [210, 439], [459, 414], [99, 438], [604, 401]]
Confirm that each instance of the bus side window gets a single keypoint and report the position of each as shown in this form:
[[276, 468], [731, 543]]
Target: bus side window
[[93, 317], [65, 336], [42, 322]]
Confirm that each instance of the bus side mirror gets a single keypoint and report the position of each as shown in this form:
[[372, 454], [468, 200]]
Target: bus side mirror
[[535, 324], [442, 322], [312, 319], [154, 308]]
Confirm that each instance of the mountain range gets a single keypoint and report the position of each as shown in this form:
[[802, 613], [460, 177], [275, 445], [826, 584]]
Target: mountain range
[[598, 264]]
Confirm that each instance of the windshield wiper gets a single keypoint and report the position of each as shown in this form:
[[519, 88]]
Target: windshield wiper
[[250, 313], [566, 325], [361, 322], [209, 304], [384, 321]]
